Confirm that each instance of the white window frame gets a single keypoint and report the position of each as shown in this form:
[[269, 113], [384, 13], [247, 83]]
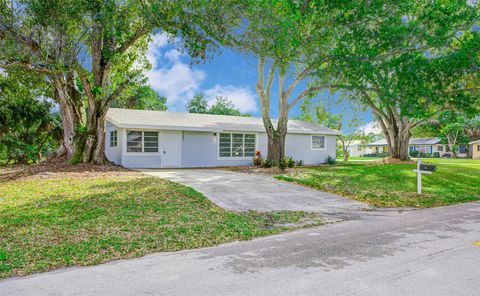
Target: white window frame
[[324, 142], [114, 136], [143, 152], [233, 157]]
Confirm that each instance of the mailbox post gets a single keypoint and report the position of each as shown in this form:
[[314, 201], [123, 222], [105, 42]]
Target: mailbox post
[[423, 169]]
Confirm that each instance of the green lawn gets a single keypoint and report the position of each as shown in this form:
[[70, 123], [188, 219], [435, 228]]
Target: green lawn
[[466, 161], [56, 222], [360, 158], [389, 185]]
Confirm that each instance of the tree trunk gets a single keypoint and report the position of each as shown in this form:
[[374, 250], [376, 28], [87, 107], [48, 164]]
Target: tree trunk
[[90, 145], [397, 133], [345, 151]]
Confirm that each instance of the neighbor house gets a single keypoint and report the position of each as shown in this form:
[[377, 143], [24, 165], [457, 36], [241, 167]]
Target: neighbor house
[[423, 145], [358, 148], [158, 139], [475, 149]]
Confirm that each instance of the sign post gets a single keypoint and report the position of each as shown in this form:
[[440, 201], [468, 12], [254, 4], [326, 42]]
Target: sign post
[[419, 176], [423, 169]]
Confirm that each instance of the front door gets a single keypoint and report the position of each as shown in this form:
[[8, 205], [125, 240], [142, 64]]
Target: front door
[[170, 148]]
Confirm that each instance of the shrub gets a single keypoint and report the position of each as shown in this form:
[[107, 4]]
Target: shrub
[[414, 153], [299, 163], [290, 162], [282, 163], [330, 160], [267, 163], [257, 159], [436, 154]]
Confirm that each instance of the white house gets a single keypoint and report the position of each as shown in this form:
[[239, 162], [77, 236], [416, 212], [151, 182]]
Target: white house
[[424, 145], [157, 139], [357, 148]]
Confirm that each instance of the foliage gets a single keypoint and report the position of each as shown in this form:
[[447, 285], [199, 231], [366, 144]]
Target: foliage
[[299, 163], [408, 61], [198, 104], [28, 128], [141, 97], [394, 185], [290, 162], [257, 159], [91, 51], [282, 163], [267, 163], [436, 154], [221, 106], [413, 153], [330, 160]]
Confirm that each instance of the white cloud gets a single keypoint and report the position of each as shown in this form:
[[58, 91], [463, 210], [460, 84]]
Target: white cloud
[[370, 128], [172, 77], [243, 98]]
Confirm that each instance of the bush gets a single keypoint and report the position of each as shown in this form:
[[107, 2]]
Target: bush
[[290, 162], [282, 163], [299, 163], [257, 159], [436, 154], [413, 153], [330, 160], [267, 163]]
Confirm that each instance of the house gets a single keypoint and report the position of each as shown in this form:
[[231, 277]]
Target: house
[[475, 149], [158, 139], [423, 145], [357, 148]]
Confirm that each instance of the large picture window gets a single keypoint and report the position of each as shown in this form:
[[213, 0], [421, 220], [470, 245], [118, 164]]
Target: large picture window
[[236, 145], [318, 142], [140, 141]]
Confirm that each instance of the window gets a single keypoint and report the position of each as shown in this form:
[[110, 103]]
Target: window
[[359, 148], [440, 148], [447, 148], [462, 149], [138, 141], [318, 142], [113, 139], [478, 147], [236, 145]]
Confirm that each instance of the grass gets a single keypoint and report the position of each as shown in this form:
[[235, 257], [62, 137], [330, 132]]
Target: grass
[[57, 222], [361, 158], [467, 161], [394, 185]]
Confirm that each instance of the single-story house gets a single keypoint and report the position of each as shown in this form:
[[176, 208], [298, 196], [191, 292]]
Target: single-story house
[[159, 139], [475, 149], [357, 148], [424, 145]]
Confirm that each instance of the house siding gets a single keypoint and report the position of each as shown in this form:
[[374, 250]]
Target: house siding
[[200, 149]]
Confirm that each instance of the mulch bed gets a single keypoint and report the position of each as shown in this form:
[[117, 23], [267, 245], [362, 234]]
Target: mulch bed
[[59, 167]]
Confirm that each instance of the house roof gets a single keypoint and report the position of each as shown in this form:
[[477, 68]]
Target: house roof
[[128, 118], [413, 141], [474, 142]]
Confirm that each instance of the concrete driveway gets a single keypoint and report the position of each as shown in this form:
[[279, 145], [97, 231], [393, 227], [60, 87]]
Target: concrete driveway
[[241, 192], [427, 252]]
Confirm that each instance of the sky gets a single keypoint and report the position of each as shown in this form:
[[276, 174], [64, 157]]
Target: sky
[[229, 74]]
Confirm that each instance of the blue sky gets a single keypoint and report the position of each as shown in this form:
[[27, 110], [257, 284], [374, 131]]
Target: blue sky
[[229, 74]]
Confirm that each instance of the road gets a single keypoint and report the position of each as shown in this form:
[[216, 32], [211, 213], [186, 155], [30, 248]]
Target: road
[[419, 252]]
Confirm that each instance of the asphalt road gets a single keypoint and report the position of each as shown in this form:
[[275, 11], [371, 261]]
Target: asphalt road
[[421, 252]]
